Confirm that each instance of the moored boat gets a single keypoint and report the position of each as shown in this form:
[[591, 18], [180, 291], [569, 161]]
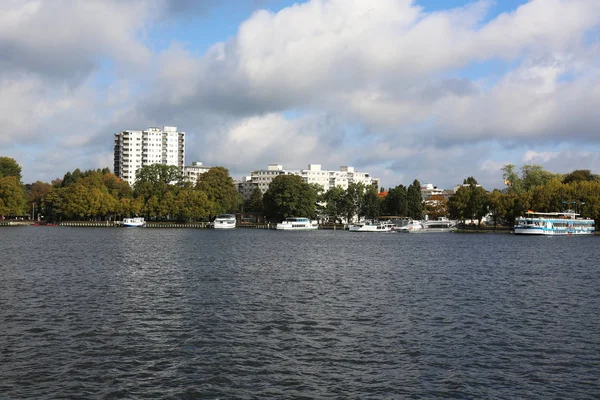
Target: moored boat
[[441, 224], [411, 227], [224, 221], [370, 226], [298, 224], [135, 222], [556, 223]]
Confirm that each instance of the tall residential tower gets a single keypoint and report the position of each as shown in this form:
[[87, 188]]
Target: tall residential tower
[[135, 149]]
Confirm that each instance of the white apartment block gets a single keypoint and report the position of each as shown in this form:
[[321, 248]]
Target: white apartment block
[[313, 174], [135, 149], [245, 186], [191, 173]]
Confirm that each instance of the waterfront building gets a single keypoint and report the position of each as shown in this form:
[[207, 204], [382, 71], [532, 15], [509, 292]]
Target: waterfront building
[[245, 186], [313, 174], [191, 173], [136, 149], [262, 178]]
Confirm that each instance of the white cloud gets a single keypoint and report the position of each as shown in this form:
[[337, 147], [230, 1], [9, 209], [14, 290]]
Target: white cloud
[[537, 157], [380, 85], [66, 38]]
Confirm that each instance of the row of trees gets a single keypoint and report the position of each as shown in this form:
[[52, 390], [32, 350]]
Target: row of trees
[[161, 193], [532, 189]]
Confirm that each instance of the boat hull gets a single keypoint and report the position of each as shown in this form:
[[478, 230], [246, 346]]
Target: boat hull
[[553, 224], [137, 222], [284, 227], [550, 232], [353, 228], [432, 230], [223, 225]]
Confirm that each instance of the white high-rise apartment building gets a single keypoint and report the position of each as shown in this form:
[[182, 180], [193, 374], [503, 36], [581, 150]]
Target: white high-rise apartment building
[[314, 174], [135, 149]]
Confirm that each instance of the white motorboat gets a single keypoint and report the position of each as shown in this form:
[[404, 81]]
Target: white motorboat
[[556, 223], [135, 222], [224, 221], [297, 224], [370, 226], [411, 227]]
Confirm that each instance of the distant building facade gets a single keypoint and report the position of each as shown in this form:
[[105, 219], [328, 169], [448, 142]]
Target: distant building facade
[[245, 186], [313, 174], [191, 173], [136, 149]]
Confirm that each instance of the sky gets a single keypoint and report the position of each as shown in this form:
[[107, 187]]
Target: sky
[[427, 89]]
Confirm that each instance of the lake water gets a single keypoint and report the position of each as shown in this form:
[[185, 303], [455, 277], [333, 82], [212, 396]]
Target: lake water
[[255, 314]]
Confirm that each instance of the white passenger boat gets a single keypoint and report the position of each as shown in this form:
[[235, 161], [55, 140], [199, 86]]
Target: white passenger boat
[[441, 224], [135, 222], [297, 224], [411, 227], [556, 223], [224, 221], [370, 226]]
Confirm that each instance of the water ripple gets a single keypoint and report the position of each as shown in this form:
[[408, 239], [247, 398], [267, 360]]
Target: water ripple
[[250, 314]]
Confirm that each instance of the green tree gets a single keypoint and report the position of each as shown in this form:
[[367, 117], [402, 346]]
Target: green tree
[[288, 196], [516, 206], [478, 203], [167, 205], [10, 167], [414, 200], [371, 204], [255, 202], [220, 190], [191, 205], [117, 187], [470, 181], [36, 195], [151, 207], [12, 196], [334, 199], [497, 205], [53, 205], [458, 204], [469, 202], [352, 203], [512, 179], [78, 202], [533, 176], [579, 175], [159, 173], [395, 203]]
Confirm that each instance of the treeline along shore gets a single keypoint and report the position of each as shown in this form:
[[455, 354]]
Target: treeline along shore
[[162, 195]]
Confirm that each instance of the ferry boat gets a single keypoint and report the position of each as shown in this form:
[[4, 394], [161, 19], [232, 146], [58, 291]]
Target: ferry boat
[[297, 224], [370, 226], [441, 224], [224, 221], [136, 222], [556, 223]]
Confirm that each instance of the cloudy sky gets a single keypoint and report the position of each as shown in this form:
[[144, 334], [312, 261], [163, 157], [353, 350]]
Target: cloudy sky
[[436, 90]]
